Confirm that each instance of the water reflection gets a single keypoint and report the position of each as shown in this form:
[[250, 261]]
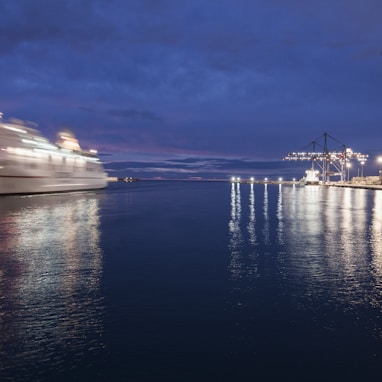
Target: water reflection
[[243, 243], [236, 240], [376, 245], [50, 268], [280, 218], [353, 241], [323, 241], [266, 216], [252, 217], [328, 244]]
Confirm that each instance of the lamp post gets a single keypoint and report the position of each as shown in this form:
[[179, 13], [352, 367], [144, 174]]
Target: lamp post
[[380, 172], [348, 165], [362, 164]]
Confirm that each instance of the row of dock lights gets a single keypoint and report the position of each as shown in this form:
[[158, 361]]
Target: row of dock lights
[[237, 179], [362, 162]]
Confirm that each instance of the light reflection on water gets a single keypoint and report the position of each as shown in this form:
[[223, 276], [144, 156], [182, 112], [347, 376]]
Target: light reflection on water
[[252, 217], [280, 217], [50, 268], [376, 245], [236, 264], [306, 268], [324, 240], [330, 254], [266, 216]]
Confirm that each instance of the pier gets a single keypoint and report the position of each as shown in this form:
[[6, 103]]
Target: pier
[[369, 183], [125, 179], [263, 181], [362, 186]]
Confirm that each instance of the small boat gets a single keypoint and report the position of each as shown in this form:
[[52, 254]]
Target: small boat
[[128, 179], [30, 163]]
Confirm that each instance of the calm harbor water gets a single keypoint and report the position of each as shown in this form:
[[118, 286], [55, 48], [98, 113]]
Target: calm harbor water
[[192, 281]]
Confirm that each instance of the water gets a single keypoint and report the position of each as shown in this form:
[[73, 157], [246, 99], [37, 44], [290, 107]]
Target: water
[[188, 281]]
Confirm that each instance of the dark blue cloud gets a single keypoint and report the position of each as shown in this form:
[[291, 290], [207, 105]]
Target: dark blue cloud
[[233, 78], [207, 168]]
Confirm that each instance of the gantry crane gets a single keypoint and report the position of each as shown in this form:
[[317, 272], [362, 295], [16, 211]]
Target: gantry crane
[[330, 155]]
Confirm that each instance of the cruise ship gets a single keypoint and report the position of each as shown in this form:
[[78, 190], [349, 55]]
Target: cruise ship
[[30, 163]]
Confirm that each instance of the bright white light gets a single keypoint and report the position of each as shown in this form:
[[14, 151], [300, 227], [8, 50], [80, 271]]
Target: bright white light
[[280, 179], [14, 129]]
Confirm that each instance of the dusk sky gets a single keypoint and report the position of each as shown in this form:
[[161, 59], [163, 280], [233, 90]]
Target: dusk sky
[[195, 87]]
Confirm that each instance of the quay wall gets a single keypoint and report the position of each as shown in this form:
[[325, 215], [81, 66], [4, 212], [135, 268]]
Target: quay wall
[[369, 182]]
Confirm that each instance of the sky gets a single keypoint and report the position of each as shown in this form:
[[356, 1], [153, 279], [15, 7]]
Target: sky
[[189, 88]]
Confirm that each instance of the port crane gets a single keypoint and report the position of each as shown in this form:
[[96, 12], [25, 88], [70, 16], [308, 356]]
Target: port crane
[[330, 155]]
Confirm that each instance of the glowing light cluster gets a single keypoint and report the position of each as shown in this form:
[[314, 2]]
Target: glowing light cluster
[[330, 155]]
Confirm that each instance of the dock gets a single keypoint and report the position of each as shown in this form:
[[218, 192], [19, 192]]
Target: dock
[[246, 181], [360, 185], [125, 179], [368, 183]]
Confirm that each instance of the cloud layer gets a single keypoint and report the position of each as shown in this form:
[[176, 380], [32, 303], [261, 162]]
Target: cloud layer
[[224, 79]]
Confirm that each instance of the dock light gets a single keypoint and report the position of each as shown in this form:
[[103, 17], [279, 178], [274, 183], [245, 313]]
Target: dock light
[[252, 179], [380, 163], [349, 153], [233, 179], [266, 179], [238, 178], [294, 179], [280, 179], [380, 169], [348, 165], [362, 164]]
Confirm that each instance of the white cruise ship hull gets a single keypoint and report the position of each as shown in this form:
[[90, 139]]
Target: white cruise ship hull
[[30, 164], [31, 184]]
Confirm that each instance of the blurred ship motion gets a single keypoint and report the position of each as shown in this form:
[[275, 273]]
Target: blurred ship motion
[[30, 163]]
